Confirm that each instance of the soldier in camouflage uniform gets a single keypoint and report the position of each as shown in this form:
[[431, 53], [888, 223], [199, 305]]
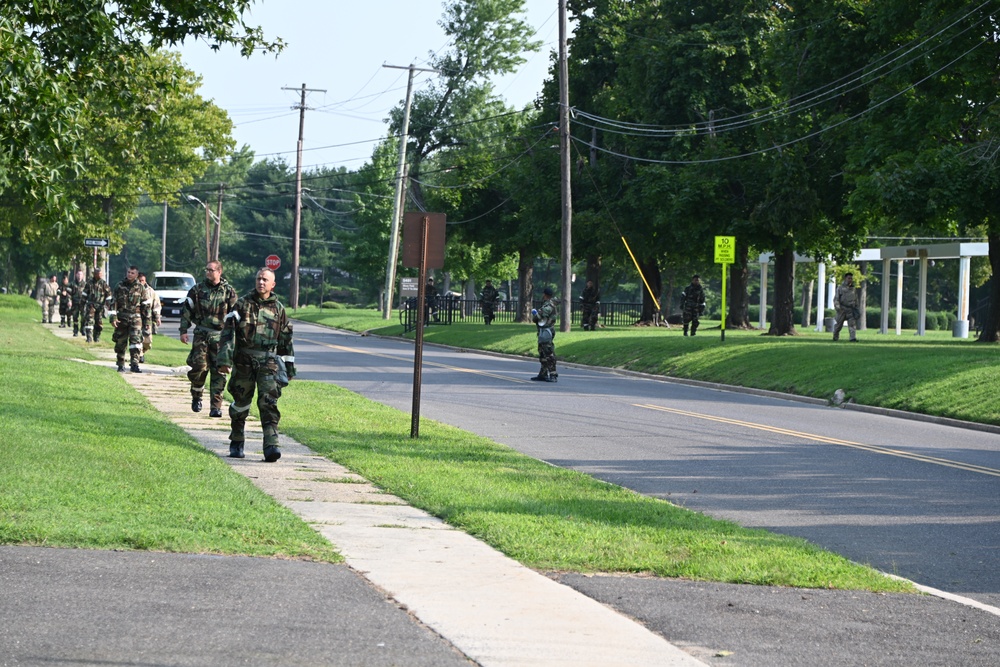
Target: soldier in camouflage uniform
[[591, 299], [545, 319], [257, 336], [50, 300], [205, 308], [65, 301], [96, 294], [692, 304], [131, 309], [76, 309], [489, 301]]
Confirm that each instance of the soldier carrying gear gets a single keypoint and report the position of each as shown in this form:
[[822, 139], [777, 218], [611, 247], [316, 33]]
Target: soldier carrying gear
[[692, 304], [257, 345], [65, 301], [545, 319], [131, 309], [96, 293], [591, 299], [206, 307], [488, 301], [78, 302], [50, 300], [845, 300]]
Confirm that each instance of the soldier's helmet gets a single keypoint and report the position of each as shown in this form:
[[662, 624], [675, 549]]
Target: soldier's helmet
[[547, 291]]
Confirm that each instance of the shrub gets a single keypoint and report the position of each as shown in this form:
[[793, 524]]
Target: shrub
[[333, 305]]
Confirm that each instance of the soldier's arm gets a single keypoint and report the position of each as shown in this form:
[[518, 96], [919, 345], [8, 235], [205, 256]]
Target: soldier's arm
[[227, 342], [286, 349]]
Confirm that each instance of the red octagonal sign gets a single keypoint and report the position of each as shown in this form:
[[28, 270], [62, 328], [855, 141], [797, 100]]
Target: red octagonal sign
[[272, 262]]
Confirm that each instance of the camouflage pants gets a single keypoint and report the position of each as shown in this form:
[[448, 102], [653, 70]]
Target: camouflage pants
[[93, 319], [488, 312], [589, 316], [128, 334], [251, 374], [547, 357], [50, 305], [690, 317], [850, 316], [76, 316], [202, 360]]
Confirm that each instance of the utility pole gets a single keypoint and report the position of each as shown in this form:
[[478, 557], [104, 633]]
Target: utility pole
[[564, 169], [218, 224], [298, 192], [163, 246], [397, 208]]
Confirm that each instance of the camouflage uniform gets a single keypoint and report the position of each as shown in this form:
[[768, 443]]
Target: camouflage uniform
[[77, 307], [692, 305], [65, 302], [206, 308], [545, 318], [489, 303], [256, 331], [50, 301], [95, 293], [845, 300], [591, 299], [131, 309]]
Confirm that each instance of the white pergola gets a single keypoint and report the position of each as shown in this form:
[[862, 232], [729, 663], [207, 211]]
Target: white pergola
[[963, 251]]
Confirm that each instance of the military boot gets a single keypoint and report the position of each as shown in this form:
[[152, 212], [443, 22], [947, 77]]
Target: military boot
[[271, 453], [694, 328], [76, 331], [195, 403], [134, 367], [685, 330], [235, 450], [89, 338], [121, 368]]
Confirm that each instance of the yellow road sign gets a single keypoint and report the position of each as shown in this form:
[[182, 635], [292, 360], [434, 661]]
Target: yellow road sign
[[725, 249]]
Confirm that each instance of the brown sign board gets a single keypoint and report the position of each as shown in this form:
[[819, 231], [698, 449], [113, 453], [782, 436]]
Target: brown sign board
[[412, 240]]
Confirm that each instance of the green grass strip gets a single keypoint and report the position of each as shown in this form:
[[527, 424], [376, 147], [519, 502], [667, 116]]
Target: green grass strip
[[88, 462]]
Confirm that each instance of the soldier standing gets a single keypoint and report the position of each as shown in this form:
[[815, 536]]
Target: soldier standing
[[845, 300], [205, 308], [96, 294], [131, 309], [79, 301], [591, 299], [489, 301], [430, 302], [545, 319], [257, 345], [65, 301], [692, 304]]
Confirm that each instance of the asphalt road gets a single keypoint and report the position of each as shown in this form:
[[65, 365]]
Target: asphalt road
[[915, 499]]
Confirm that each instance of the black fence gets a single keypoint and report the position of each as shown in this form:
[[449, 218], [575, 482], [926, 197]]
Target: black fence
[[448, 310]]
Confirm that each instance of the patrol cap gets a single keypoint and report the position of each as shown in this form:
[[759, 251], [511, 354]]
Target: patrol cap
[[547, 291], [696, 276]]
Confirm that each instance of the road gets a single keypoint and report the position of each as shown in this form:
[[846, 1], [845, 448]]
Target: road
[[916, 499]]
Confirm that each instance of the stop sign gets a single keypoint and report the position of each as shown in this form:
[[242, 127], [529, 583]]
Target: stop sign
[[272, 262]]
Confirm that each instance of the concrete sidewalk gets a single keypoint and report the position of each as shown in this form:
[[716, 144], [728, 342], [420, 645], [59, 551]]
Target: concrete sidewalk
[[494, 610]]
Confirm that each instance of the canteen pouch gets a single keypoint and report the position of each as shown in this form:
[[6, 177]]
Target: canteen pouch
[[545, 335]]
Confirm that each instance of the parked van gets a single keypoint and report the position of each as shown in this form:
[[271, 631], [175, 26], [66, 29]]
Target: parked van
[[172, 288]]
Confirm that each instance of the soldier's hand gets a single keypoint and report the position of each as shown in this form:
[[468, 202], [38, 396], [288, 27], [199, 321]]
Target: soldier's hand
[[184, 337], [224, 370]]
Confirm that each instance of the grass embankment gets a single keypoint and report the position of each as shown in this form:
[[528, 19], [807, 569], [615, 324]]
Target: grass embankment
[[934, 374], [88, 462]]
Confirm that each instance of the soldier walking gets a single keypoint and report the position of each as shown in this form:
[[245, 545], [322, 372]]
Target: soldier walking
[[96, 293], [131, 309], [205, 308], [257, 345], [488, 301], [65, 301], [591, 299], [545, 319], [78, 288], [692, 304], [50, 300], [845, 300]]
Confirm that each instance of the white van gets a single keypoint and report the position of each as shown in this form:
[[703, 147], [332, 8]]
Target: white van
[[172, 288]]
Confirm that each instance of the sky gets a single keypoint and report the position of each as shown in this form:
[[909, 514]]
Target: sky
[[341, 47]]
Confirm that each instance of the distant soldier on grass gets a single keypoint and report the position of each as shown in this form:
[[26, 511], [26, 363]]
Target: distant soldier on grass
[[131, 309], [79, 302], [206, 307], [488, 301], [845, 300], [257, 345], [50, 300], [65, 301], [692, 304], [96, 294], [591, 299]]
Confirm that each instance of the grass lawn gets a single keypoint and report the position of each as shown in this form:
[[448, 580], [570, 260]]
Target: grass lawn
[[89, 463], [934, 374]]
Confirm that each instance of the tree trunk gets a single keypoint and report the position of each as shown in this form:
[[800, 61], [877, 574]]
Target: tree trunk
[[651, 270], [783, 319], [525, 274], [807, 298], [863, 296], [991, 327], [738, 298]]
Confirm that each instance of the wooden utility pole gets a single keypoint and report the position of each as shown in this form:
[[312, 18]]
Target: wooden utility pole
[[218, 224], [397, 208], [298, 193], [564, 169], [163, 241]]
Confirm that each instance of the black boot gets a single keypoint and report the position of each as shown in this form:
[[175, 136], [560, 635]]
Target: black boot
[[685, 330], [236, 450], [89, 339], [195, 403], [271, 453], [541, 377], [121, 368], [134, 367], [215, 412]]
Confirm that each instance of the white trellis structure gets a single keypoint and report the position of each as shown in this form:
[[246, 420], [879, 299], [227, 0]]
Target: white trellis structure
[[924, 254]]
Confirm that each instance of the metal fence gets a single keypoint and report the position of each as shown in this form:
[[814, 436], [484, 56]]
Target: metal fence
[[448, 310]]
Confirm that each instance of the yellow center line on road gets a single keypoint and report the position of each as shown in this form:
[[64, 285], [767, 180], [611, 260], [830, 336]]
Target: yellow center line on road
[[827, 440], [396, 357]]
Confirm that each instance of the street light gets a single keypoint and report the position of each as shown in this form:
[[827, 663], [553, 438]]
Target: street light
[[211, 241]]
